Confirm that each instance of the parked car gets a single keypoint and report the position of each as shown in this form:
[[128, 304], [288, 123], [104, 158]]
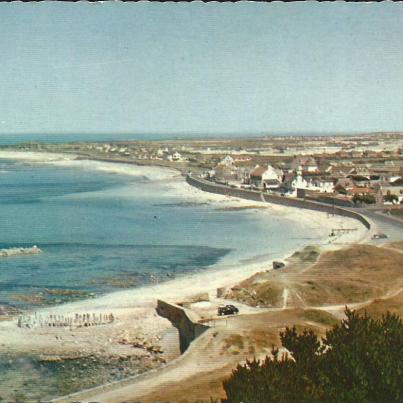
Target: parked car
[[278, 265], [379, 236], [227, 310]]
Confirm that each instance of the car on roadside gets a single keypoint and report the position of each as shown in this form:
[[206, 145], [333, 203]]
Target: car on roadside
[[379, 236], [227, 310]]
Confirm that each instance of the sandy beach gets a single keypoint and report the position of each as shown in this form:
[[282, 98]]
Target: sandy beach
[[134, 309]]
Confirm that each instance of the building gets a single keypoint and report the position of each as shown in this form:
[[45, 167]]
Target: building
[[227, 161], [305, 163], [226, 172], [266, 177], [346, 183], [361, 191], [317, 184], [242, 158]]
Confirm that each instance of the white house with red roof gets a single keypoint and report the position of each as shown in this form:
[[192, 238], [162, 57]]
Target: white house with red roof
[[317, 185], [266, 177]]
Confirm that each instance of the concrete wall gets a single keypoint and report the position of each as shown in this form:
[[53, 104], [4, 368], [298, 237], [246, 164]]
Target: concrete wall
[[212, 187], [187, 326], [323, 198], [331, 200]]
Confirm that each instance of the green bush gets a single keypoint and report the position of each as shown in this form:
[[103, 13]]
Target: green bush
[[359, 360], [390, 198], [340, 189], [367, 199]]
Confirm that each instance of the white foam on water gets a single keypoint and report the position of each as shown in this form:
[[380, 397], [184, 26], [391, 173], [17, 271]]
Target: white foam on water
[[70, 161], [317, 224]]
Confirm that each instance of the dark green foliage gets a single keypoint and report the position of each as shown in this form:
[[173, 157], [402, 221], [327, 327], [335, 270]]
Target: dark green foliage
[[390, 198], [340, 189], [367, 199], [359, 360]]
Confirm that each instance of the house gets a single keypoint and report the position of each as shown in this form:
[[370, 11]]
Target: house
[[356, 154], [317, 184], [370, 154], [287, 182], [242, 158], [338, 171], [307, 164], [176, 156], [267, 178], [255, 176], [226, 172], [344, 183], [360, 171], [395, 180], [227, 161], [360, 191], [210, 174]]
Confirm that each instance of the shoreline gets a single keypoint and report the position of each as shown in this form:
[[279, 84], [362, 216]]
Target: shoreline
[[136, 307], [219, 202]]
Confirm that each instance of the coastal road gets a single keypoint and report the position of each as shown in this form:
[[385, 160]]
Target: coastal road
[[391, 226]]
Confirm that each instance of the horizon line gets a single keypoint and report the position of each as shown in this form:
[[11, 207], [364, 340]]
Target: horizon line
[[189, 135]]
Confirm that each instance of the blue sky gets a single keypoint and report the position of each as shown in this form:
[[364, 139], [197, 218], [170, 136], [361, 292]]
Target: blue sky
[[195, 68]]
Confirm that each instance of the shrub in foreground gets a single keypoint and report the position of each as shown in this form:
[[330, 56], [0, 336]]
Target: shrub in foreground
[[359, 360]]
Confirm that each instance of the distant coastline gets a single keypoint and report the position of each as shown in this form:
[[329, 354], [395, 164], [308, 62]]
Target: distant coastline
[[11, 140]]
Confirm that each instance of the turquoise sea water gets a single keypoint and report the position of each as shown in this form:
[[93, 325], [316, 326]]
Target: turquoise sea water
[[96, 137], [88, 239], [101, 232], [66, 138], [13, 139]]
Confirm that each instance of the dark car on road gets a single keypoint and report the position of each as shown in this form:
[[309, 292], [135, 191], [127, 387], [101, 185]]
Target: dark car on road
[[379, 236], [227, 310]]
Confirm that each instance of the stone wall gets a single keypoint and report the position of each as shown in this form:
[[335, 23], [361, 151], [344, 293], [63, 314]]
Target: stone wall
[[187, 325], [212, 187], [323, 198]]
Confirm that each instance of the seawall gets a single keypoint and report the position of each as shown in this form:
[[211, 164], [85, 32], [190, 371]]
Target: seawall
[[212, 187], [186, 324]]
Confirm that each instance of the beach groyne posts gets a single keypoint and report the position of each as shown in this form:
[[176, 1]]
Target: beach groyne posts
[[212, 187], [53, 320], [188, 329], [187, 326]]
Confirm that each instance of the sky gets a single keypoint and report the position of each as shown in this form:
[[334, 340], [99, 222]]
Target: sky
[[200, 69]]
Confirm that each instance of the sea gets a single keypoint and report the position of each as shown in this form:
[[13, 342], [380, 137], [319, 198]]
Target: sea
[[15, 139], [103, 228]]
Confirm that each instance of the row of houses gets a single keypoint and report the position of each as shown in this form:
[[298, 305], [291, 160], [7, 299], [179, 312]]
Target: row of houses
[[138, 152], [374, 182]]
